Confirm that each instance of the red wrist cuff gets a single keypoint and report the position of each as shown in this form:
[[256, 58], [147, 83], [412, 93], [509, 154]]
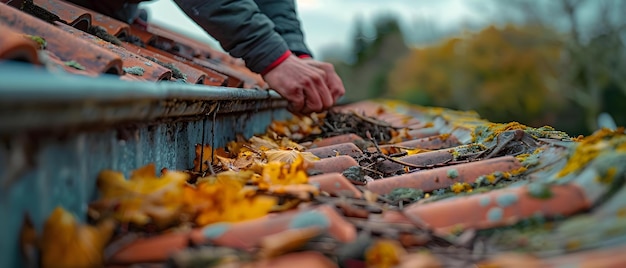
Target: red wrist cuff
[[304, 56], [277, 62]]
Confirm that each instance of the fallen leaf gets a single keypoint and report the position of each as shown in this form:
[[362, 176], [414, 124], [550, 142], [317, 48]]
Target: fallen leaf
[[143, 198], [384, 253], [66, 243], [205, 152], [223, 198], [288, 156]]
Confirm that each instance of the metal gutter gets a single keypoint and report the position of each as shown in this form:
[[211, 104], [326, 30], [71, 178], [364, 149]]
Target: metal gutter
[[58, 131], [59, 100]]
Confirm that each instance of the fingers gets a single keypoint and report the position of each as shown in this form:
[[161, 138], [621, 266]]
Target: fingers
[[335, 86], [309, 86], [333, 81]]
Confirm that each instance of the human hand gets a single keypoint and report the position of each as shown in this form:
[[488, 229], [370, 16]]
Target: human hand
[[334, 83], [302, 84]]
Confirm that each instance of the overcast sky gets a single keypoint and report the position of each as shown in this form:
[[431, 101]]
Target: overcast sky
[[328, 24]]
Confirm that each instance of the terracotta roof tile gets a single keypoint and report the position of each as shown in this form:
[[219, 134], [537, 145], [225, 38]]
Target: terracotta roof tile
[[335, 184], [498, 208], [336, 150], [444, 177], [334, 164], [185, 57], [18, 46], [79, 51]]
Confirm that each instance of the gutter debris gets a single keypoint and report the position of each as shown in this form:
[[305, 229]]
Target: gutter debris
[[258, 202]]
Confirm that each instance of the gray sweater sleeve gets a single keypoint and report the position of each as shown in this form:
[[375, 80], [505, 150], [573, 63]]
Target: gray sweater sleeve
[[240, 27], [286, 23]]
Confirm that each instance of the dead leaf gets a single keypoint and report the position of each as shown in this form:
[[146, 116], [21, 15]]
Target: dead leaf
[[66, 243], [223, 198], [384, 253], [206, 152], [288, 156], [142, 199]]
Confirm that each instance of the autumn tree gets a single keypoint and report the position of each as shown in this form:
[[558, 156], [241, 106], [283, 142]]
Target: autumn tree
[[500, 73], [591, 71]]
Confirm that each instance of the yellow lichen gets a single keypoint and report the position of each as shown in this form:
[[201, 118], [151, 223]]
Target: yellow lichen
[[518, 171], [461, 187], [607, 178], [491, 178], [588, 149], [522, 157]]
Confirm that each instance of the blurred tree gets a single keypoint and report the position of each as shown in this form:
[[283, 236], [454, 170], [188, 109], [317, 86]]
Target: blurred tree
[[373, 57], [500, 73], [591, 73]]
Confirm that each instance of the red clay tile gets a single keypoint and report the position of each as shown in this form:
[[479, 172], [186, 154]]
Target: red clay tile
[[368, 108], [394, 216], [497, 208], [421, 159], [73, 15], [171, 46], [334, 164], [214, 77], [235, 79], [403, 122], [193, 75], [223, 62], [336, 150], [419, 133], [308, 259], [150, 71], [92, 58], [336, 140], [243, 235], [17, 46], [430, 143], [196, 48], [247, 234], [335, 184], [438, 178], [153, 249]]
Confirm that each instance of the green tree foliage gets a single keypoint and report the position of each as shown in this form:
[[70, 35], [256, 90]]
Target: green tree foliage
[[500, 73]]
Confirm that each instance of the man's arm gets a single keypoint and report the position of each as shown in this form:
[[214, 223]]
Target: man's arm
[[247, 33], [286, 23], [241, 29]]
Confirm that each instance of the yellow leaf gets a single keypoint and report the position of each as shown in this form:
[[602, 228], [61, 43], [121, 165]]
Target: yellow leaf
[[384, 254], [278, 173], [416, 151], [288, 156], [142, 199], [263, 143], [223, 198], [66, 243]]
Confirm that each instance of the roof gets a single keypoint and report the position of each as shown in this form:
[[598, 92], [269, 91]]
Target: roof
[[65, 36], [397, 182]]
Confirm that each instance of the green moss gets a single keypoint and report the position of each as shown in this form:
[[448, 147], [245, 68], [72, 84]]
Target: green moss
[[74, 65], [39, 40], [405, 194], [135, 70], [452, 173], [539, 190]]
